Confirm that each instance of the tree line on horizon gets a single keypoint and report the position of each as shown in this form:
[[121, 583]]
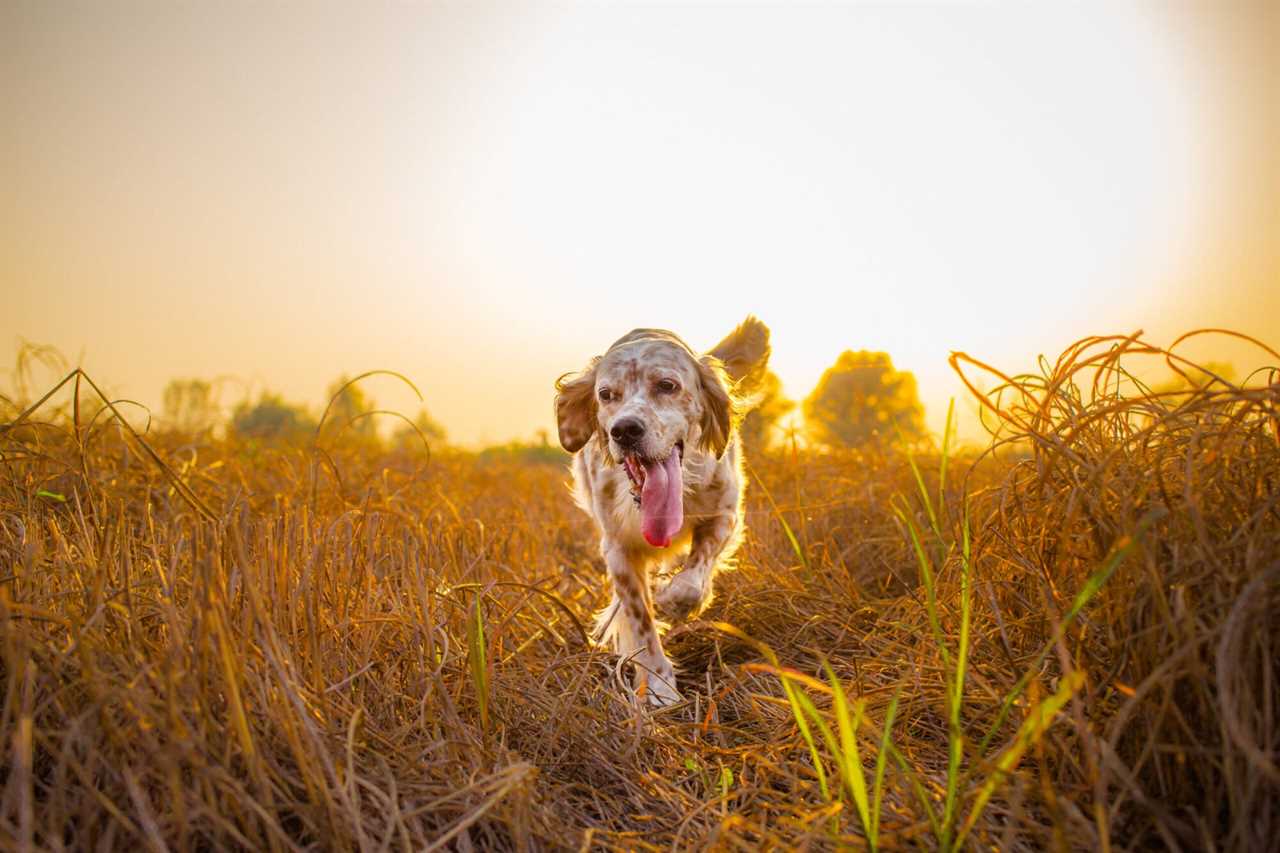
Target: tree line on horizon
[[862, 399]]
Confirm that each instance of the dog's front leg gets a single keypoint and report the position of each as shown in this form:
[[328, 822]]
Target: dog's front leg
[[628, 624], [714, 538]]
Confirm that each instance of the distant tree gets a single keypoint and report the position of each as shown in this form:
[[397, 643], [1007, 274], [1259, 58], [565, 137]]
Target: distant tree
[[407, 437], [271, 419], [539, 452], [346, 404], [189, 406], [862, 399], [759, 425]]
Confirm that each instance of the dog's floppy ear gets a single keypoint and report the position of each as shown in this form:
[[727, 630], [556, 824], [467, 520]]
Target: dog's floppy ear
[[576, 407], [745, 354], [718, 408]]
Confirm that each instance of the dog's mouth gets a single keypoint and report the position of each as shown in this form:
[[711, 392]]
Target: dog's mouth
[[657, 486]]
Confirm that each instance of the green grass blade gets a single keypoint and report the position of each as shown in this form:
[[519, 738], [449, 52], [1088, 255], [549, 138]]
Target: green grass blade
[[1037, 722], [847, 758], [947, 429], [794, 696], [926, 576], [786, 528], [477, 660], [804, 702], [924, 491], [1122, 549], [726, 781], [966, 610], [922, 794], [886, 743], [955, 700]]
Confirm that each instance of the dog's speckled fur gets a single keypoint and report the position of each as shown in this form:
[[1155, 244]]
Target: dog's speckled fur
[[701, 414]]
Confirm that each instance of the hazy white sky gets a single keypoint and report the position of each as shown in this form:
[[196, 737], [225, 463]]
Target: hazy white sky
[[484, 197]]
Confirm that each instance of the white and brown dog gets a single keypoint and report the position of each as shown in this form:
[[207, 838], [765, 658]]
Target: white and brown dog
[[659, 469]]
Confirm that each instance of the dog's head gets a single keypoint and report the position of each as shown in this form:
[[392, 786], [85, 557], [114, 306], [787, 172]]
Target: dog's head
[[648, 398], [649, 393]]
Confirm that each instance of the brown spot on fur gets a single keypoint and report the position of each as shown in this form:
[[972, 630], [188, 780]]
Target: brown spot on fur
[[626, 585], [608, 488]]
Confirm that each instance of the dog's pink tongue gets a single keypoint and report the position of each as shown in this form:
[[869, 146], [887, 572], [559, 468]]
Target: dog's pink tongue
[[662, 501]]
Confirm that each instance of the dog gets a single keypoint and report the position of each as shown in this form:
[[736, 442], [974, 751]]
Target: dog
[[657, 466]]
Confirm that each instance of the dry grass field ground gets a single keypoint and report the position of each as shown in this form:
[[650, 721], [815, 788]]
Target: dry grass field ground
[[1068, 641]]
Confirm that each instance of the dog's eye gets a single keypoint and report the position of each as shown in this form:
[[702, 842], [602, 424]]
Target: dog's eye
[[605, 395], [667, 386]]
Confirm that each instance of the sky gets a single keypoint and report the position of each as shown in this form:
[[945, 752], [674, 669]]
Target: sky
[[482, 197]]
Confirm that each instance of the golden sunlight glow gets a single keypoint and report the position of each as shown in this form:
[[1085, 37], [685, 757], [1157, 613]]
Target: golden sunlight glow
[[482, 199]]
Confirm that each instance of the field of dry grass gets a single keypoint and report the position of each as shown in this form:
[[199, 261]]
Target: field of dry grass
[[1069, 641]]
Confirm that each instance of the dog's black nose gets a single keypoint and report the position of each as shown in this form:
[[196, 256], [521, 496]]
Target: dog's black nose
[[627, 432]]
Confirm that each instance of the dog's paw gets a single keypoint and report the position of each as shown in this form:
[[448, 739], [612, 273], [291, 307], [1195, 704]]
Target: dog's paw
[[659, 691], [681, 598]]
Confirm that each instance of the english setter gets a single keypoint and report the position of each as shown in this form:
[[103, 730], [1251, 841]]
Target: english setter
[[659, 470]]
